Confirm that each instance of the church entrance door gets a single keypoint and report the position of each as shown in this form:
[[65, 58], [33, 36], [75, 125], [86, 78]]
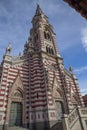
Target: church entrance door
[[15, 114]]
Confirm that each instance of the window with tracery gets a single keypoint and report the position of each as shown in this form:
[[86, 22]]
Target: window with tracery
[[47, 35], [49, 50]]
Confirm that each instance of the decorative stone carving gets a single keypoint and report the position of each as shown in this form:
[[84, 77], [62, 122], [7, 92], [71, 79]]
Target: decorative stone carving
[[18, 94], [17, 88], [56, 89], [72, 117], [84, 112]]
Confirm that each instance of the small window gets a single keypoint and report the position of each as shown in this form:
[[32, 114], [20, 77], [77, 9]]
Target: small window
[[86, 122], [31, 117], [45, 35], [46, 49], [37, 36], [38, 116], [49, 50], [48, 36], [52, 52]]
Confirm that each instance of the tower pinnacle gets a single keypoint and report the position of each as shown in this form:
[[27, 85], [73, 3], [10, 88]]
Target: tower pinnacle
[[38, 10]]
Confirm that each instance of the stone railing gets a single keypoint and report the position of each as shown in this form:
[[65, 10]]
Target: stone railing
[[76, 120], [72, 117], [84, 111]]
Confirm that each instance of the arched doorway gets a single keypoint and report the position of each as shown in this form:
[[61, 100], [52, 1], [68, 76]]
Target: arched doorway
[[15, 114], [15, 108], [58, 100]]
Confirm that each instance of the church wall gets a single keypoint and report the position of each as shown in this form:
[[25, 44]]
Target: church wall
[[8, 79]]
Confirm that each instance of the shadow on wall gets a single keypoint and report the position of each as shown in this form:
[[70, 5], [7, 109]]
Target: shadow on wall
[[57, 126]]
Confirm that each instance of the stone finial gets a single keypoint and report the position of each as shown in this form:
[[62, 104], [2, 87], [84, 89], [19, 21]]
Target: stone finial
[[70, 69], [8, 49]]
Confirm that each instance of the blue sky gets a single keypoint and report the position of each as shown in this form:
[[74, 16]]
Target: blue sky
[[69, 26]]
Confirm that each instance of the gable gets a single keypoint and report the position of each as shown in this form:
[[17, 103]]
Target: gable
[[17, 86], [57, 92]]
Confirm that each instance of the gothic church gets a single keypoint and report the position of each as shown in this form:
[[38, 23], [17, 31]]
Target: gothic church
[[36, 91]]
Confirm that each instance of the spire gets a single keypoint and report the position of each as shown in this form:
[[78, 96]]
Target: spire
[[38, 14], [38, 10]]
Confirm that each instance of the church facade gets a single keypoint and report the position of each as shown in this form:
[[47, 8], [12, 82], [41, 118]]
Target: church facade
[[36, 91]]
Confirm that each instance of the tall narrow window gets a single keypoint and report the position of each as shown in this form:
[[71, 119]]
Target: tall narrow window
[[45, 35], [46, 49], [49, 50], [52, 52]]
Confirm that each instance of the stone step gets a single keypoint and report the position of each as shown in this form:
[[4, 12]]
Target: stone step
[[17, 128]]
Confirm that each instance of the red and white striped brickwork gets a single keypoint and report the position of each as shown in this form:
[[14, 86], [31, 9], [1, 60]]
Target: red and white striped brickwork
[[39, 80], [39, 97], [8, 78]]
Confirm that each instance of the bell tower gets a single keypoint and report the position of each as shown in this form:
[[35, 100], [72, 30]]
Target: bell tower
[[45, 64], [42, 36], [44, 67], [48, 80]]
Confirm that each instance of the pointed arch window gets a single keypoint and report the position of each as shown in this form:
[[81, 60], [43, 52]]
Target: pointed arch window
[[49, 50], [52, 52], [47, 35]]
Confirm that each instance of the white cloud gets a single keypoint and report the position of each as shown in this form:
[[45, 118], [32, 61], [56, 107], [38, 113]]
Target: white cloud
[[80, 70], [53, 7], [84, 91], [84, 38], [82, 80], [83, 87]]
